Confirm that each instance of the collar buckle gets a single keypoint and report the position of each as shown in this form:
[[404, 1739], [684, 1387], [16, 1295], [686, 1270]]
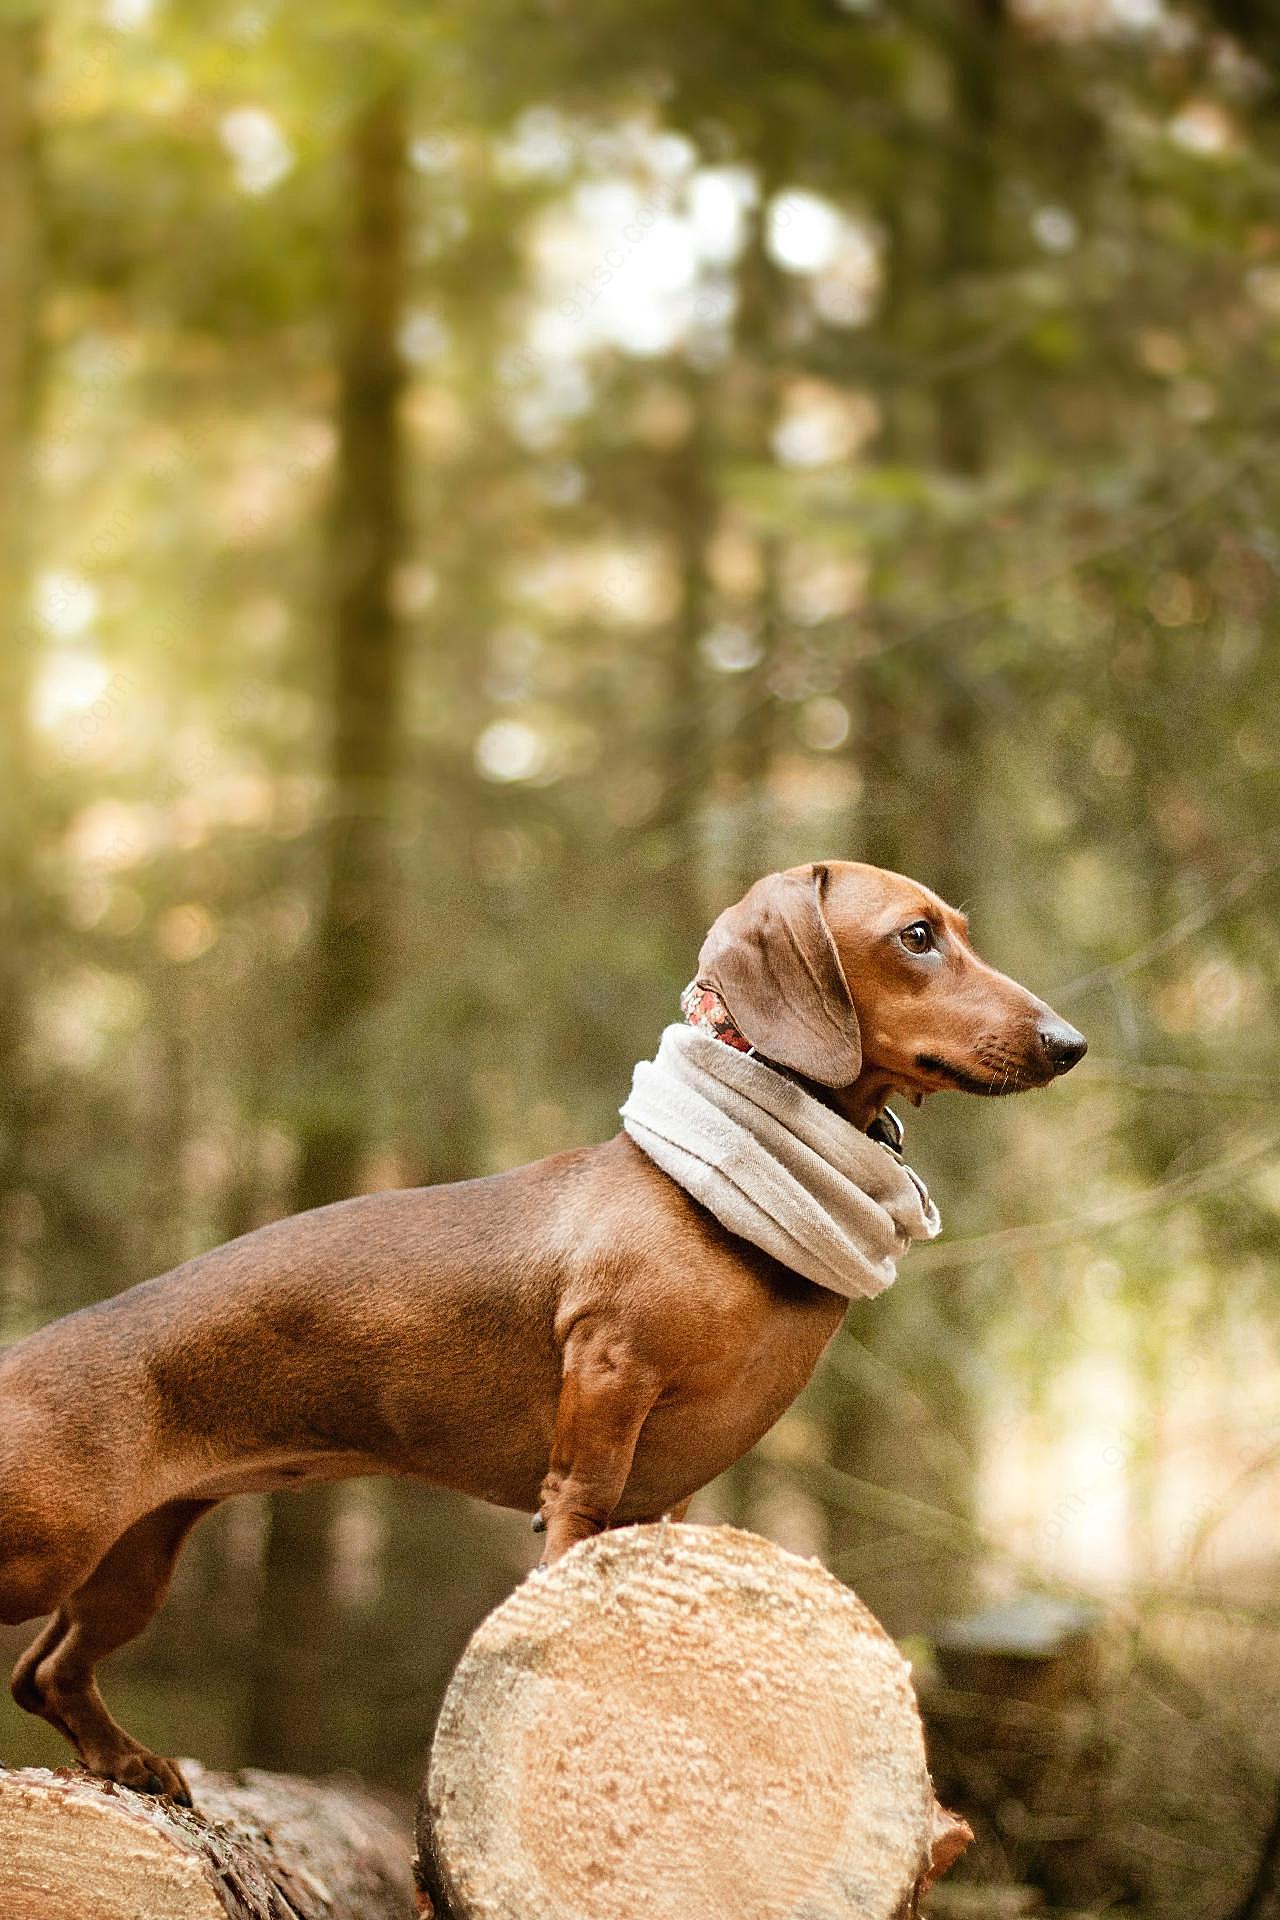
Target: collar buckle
[[888, 1130]]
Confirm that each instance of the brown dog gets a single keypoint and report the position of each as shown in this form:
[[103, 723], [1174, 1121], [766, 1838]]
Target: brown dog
[[576, 1336]]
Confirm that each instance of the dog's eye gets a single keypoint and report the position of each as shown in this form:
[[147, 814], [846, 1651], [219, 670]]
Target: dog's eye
[[918, 937]]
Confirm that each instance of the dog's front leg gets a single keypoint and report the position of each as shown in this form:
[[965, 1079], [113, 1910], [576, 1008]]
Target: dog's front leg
[[605, 1398]]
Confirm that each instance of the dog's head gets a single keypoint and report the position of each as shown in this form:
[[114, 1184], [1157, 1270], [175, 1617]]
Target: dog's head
[[865, 982]]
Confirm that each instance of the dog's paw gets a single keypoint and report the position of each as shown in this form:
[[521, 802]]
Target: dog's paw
[[146, 1773]]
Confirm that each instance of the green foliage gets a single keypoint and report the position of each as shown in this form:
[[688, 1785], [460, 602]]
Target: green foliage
[[921, 511]]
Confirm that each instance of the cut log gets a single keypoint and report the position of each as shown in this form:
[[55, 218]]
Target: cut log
[[260, 1846], [678, 1722]]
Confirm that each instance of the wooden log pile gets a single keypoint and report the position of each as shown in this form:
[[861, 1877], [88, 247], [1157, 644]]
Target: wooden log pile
[[679, 1723]]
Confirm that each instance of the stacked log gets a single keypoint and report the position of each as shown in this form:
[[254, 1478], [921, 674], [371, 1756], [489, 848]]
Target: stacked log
[[681, 1721], [258, 1846], [675, 1723]]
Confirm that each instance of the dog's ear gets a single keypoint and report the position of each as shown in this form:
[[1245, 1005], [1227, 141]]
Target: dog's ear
[[772, 960]]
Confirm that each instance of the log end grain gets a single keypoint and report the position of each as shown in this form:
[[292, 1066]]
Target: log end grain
[[680, 1720]]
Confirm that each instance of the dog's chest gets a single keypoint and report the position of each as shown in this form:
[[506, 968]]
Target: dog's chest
[[728, 1397]]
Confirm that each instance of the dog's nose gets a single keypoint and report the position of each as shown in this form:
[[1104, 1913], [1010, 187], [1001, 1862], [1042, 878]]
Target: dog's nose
[[1063, 1046]]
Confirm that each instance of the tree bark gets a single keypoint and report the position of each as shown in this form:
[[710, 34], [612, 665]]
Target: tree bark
[[259, 1847], [681, 1720], [290, 1720]]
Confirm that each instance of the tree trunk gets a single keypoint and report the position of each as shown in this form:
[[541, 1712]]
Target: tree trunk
[[969, 215], [681, 1720], [290, 1721], [259, 1847], [925, 738], [354, 944], [20, 280], [688, 490]]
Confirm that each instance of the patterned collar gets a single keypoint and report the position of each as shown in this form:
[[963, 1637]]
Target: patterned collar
[[702, 1007]]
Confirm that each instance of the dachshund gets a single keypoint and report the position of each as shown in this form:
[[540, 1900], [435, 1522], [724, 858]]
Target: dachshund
[[578, 1336]]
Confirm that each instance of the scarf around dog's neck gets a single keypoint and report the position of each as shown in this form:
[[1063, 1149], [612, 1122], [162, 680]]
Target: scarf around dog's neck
[[774, 1165]]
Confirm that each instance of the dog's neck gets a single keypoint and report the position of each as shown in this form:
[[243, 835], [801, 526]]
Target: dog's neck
[[703, 1008]]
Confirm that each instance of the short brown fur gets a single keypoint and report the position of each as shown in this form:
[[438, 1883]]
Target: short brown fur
[[576, 1336]]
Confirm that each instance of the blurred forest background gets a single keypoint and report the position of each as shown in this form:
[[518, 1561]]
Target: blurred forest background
[[478, 486]]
